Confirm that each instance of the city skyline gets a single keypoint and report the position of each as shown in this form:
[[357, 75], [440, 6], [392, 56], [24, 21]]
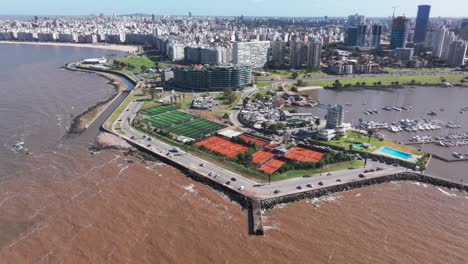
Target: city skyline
[[273, 8]]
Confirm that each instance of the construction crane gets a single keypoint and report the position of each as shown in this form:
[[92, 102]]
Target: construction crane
[[394, 8]]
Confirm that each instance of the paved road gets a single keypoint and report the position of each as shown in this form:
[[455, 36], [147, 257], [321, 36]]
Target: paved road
[[249, 187]]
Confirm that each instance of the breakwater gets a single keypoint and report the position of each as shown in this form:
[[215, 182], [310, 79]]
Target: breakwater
[[270, 203]]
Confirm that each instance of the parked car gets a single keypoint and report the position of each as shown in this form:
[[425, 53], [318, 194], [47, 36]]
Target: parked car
[[362, 175], [320, 183], [202, 164], [299, 187], [309, 185], [233, 179], [228, 182], [241, 188], [276, 191], [132, 137], [338, 180], [329, 174]]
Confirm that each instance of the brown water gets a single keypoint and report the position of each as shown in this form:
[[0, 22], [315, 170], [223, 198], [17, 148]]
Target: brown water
[[63, 204]]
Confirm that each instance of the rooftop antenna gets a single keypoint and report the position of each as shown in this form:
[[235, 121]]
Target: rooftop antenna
[[394, 8]]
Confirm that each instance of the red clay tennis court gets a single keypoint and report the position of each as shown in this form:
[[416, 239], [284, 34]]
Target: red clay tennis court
[[223, 146], [304, 155], [256, 141], [272, 166], [262, 156]]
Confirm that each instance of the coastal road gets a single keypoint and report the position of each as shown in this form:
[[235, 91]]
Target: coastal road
[[247, 187]]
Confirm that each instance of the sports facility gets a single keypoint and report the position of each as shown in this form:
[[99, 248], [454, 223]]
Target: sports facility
[[180, 123], [159, 110], [272, 166], [304, 155], [256, 141], [223, 146], [262, 156]]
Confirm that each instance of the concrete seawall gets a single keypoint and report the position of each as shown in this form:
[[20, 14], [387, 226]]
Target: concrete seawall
[[268, 204]]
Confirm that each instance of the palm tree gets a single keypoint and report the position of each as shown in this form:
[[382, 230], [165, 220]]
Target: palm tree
[[370, 133]]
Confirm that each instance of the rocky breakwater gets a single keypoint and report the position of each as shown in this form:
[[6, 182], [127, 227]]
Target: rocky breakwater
[[270, 203]]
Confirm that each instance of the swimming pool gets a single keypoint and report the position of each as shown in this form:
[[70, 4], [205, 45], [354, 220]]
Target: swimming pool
[[396, 153], [357, 146]]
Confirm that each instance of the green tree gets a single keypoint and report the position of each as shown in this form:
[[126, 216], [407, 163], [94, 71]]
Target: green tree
[[152, 92], [143, 68], [370, 133], [245, 102], [294, 75]]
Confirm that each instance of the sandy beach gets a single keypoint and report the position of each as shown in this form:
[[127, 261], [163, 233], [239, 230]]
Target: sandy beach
[[308, 88], [124, 48]]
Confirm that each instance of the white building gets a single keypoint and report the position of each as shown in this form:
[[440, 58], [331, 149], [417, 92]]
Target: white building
[[457, 53], [438, 42], [314, 54], [253, 53]]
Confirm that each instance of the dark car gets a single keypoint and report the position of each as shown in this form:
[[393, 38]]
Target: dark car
[[362, 175], [149, 139], [276, 191], [299, 187], [233, 179], [309, 185], [320, 183], [338, 180], [149, 145], [366, 171], [228, 182], [133, 137], [372, 170], [380, 168]]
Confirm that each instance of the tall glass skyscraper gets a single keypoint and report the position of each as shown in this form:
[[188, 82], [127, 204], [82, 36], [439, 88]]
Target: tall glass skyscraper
[[422, 21], [400, 30]]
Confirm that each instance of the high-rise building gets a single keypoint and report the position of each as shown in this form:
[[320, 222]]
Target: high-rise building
[[457, 53], [362, 30], [278, 52], [355, 20], [376, 36], [254, 53], [438, 42], [314, 54], [400, 30], [464, 29], [213, 78], [356, 36], [352, 36], [296, 58], [422, 20], [449, 38], [335, 116]]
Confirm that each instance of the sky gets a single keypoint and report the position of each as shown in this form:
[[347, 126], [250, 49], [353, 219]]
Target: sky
[[298, 8]]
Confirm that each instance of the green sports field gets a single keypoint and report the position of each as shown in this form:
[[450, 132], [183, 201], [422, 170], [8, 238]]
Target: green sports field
[[180, 123], [159, 110]]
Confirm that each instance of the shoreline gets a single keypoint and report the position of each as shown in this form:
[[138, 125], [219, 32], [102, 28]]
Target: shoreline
[[82, 121], [309, 88], [123, 48]]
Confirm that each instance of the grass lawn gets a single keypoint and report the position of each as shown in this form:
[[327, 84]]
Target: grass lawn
[[329, 168], [387, 80], [359, 138], [137, 62], [260, 84], [423, 70], [287, 74], [230, 106]]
